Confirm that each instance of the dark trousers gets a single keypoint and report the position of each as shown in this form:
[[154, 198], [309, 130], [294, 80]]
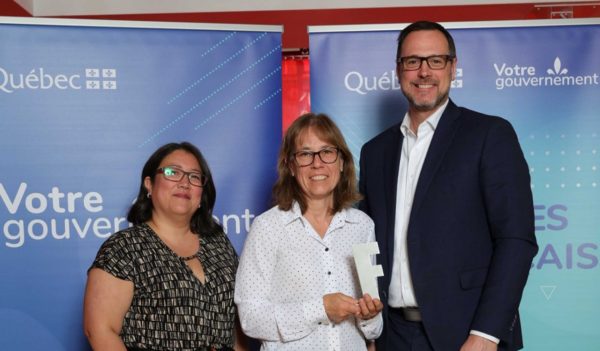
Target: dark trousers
[[403, 335]]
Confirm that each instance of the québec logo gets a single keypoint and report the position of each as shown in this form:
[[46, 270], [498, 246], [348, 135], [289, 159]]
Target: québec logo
[[517, 76], [458, 82], [105, 78], [558, 70], [42, 79], [362, 84]]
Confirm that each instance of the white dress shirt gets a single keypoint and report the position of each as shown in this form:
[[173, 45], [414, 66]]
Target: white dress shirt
[[285, 270], [414, 150]]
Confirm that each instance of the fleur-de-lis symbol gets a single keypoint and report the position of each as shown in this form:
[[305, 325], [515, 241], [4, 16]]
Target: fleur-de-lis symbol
[[557, 68]]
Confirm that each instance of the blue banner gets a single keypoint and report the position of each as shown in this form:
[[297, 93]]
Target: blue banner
[[82, 107], [544, 79]]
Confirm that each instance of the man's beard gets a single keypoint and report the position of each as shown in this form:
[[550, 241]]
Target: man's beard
[[426, 106]]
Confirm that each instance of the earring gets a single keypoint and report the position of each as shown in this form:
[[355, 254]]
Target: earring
[[148, 195]]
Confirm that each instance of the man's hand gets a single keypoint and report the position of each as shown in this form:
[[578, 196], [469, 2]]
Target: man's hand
[[369, 307], [478, 343], [339, 307]]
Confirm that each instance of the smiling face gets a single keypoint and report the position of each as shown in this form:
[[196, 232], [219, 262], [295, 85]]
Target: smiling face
[[175, 199], [424, 88], [319, 179]]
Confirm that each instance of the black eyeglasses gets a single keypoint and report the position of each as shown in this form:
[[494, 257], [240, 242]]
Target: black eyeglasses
[[175, 174], [306, 158], [413, 63]]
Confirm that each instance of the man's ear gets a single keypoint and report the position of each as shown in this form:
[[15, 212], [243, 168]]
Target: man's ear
[[454, 64]]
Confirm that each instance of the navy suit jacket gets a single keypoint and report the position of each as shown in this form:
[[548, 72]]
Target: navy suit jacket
[[471, 229]]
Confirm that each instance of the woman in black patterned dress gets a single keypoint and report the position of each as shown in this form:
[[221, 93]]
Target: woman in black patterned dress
[[166, 283]]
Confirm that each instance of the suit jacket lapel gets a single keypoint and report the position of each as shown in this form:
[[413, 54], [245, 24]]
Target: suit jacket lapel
[[444, 133], [391, 185]]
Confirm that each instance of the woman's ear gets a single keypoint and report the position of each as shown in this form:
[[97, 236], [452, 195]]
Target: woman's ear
[[290, 166], [148, 185]]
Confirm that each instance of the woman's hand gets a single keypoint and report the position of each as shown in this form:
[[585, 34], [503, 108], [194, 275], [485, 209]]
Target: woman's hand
[[340, 307], [369, 307]]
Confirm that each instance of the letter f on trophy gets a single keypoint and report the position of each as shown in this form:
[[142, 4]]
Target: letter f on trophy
[[367, 272]]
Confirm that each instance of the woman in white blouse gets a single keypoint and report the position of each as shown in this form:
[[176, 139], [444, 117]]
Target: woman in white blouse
[[296, 285]]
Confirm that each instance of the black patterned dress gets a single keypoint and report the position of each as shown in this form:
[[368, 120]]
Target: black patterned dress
[[171, 309]]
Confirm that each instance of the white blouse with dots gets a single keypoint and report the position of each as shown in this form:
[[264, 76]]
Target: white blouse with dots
[[286, 268]]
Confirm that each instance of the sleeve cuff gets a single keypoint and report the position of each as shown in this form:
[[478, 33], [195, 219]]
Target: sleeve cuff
[[314, 312], [494, 339], [371, 328]]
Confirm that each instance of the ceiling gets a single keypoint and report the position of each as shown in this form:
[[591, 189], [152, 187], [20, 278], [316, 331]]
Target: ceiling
[[111, 7], [297, 15]]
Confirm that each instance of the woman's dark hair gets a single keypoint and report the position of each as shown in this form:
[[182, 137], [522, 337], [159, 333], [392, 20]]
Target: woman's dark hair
[[202, 220], [425, 25], [286, 190]]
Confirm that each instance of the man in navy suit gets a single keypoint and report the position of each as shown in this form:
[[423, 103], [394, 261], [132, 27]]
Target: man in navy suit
[[449, 191]]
